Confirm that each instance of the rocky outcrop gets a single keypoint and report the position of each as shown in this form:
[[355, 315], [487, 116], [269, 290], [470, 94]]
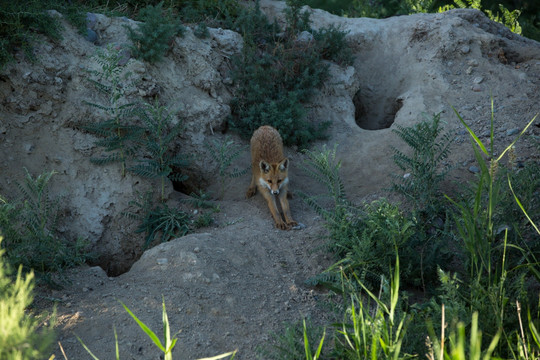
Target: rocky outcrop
[[403, 67]]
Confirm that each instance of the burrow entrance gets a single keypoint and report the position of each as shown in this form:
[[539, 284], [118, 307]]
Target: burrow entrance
[[375, 111], [121, 262]]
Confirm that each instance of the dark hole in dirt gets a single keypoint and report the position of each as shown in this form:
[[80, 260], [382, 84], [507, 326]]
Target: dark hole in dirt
[[194, 182], [375, 112], [113, 266], [118, 264]]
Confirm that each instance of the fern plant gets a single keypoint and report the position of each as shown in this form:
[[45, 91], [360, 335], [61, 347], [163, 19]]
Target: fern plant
[[118, 134], [32, 224], [224, 153], [156, 160], [152, 38], [159, 219], [430, 148]]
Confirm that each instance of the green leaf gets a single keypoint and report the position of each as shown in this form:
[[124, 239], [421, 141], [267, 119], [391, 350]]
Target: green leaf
[[146, 329], [473, 135]]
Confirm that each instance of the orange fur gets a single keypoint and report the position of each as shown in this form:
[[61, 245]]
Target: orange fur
[[270, 174]]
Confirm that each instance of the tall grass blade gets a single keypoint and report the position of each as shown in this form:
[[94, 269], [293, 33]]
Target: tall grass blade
[[473, 135], [516, 139], [146, 329], [222, 356], [87, 349], [521, 206]]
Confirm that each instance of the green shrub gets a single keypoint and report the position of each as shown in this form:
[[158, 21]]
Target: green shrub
[[277, 73], [139, 136], [201, 31], [156, 159], [119, 135], [332, 45], [425, 166], [23, 335], [495, 271], [160, 219], [364, 238], [152, 38], [19, 21], [213, 11], [32, 224], [290, 345]]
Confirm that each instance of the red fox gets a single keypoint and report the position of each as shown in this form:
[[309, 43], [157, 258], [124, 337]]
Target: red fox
[[270, 174]]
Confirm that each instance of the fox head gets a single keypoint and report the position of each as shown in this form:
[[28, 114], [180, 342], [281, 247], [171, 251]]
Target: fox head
[[274, 176]]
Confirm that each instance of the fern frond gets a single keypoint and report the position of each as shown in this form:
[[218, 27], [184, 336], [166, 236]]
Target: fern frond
[[106, 160]]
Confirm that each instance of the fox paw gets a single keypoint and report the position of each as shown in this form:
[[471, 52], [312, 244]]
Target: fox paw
[[251, 191], [292, 223], [283, 226]]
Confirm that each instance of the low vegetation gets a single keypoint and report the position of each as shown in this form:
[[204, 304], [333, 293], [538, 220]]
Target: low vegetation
[[23, 336], [30, 223], [475, 266], [279, 70]]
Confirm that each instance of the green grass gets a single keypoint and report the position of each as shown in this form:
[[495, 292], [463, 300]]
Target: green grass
[[485, 285]]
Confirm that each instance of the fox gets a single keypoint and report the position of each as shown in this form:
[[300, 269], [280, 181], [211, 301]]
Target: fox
[[270, 174]]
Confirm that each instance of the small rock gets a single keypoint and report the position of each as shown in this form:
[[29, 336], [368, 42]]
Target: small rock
[[478, 79], [511, 132], [29, 148], [197, 250], [477, 88], [305, 37], [465, 49], [300, 226], [162, 261], [472, 62], [469, 70], [474, 169], [91, 36], [91, 20]]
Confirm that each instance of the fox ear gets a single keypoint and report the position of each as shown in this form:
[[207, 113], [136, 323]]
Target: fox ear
[[284, 164], [264, 166]]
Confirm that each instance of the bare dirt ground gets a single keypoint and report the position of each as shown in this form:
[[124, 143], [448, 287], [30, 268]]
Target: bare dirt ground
[[232, 284]]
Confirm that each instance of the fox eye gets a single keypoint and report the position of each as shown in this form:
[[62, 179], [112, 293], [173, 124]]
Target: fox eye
[[279, 181], [269, 181]]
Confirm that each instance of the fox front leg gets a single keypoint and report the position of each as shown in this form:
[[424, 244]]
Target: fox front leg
[[286, 209], [271, 201]]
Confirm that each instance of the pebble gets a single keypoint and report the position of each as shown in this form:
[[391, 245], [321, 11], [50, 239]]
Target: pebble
[[91, 36], [478, 79], [477, 88], [300, 226], [29, 148], [465, 49], [511, 132], [474, 169]]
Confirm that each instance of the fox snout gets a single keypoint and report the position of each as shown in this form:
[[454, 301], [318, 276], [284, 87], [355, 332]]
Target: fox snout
[[274, 192]]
